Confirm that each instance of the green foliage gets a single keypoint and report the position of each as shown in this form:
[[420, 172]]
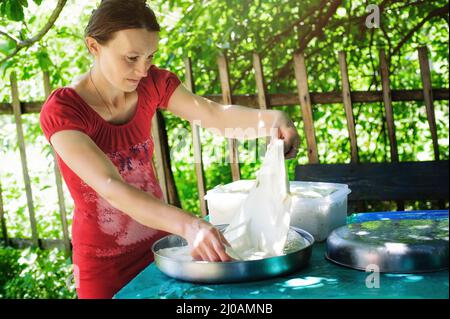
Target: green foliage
[[13, 9], [7, 46], [33, 273], [9, 267]]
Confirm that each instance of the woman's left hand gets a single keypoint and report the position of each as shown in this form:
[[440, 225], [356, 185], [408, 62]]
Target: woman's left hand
[[288, 132]]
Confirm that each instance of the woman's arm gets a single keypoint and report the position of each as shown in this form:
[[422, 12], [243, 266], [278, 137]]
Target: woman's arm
[[83, 156], [234, 121]]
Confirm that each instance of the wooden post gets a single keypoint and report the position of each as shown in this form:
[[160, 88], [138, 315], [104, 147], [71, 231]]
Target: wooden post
[[263, 100], [163, 160], [387, 100], [2, 218], [23, 156], [158, 163], [428, 97], [305, 102], [58, 180], [346, 97], [201, 185], [429, 105], [226, 96]]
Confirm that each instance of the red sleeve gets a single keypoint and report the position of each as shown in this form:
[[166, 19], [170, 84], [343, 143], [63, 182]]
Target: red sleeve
[[61, 113], [161, 83]]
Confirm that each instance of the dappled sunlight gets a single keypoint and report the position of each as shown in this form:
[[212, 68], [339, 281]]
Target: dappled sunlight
[[261, 123], [420, 237], [397, 248], [299, 282], [373, 258], [305, 282], [422, 226], [406, 277]]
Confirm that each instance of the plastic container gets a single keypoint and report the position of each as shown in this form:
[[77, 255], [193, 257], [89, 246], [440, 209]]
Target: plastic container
[[318, 208]]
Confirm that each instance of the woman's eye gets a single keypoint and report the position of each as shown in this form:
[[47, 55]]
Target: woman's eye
[[135, 58]]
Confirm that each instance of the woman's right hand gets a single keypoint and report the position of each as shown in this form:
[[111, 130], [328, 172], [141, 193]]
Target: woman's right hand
[[205, 241]]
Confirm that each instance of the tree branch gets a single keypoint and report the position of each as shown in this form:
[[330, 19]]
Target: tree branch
[[320, 26], [307, 38], [291, 28], [420, 2], [29, 42], [9, 36], [276, 38], [286, 69], [435, 13]]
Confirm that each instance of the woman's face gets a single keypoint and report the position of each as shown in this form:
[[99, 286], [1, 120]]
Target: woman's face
[[125, 59]]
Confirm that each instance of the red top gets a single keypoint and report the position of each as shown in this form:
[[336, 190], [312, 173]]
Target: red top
[[99, 229]]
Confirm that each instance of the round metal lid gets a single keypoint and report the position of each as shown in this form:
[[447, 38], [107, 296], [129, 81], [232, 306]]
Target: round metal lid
[[396, 246]]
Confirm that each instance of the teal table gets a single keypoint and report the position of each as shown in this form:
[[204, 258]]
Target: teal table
[[320, 279]]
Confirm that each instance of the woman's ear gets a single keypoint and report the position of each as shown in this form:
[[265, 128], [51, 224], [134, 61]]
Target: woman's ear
[[92, 45]]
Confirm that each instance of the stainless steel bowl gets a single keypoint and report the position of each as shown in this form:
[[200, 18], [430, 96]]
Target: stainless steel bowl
[[391, 246], [234, 271]]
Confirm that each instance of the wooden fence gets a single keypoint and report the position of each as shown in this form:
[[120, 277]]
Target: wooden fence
[[261, 100]]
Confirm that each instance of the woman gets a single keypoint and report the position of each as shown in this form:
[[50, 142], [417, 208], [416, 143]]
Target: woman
[[99, 128]]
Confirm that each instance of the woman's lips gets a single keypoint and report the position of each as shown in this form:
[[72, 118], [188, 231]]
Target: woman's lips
[[133, 81]]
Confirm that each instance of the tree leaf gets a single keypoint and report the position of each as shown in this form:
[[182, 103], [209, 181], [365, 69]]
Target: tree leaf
[[3, 8], [44, 60], [5, 66], [7, 47], [24, 3], [14, 11]]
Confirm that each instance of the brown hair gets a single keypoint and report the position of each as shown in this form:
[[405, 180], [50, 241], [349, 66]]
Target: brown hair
[[115, 15]]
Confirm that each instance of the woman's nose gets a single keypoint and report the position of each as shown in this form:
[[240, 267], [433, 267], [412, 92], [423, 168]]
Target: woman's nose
[[141, 70]]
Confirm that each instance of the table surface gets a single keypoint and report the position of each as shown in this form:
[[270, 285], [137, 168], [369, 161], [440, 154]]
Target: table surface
[[320, 279]]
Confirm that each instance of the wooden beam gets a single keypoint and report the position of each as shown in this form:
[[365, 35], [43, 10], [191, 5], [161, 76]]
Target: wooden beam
[[305, 102], [198, 160], [23, 157], [348, 107], [58, 181], [285, 99], [21, 243], [227, 99], [428, 97]]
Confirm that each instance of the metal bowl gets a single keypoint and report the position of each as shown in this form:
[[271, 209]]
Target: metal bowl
[[234, 271], [391, 246]]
